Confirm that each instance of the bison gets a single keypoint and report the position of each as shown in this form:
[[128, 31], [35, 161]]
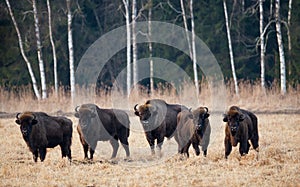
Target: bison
[[98, 124], [41, 131], [159, 120], [193, 128], [241, 126]]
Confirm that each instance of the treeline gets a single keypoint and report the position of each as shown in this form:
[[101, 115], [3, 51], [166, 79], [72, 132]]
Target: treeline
[[91, 19]]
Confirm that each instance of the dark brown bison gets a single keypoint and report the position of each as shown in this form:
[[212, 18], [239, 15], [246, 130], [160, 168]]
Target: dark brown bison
[[97, 124], [159, 120], [41, 131], [241, 126], [193, 128], [85, 145]]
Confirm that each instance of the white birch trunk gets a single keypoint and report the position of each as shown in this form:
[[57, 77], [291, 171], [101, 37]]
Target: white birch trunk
[[128, 53], [39, 51], [186, 28], [280, 48], [271, 10], [262, 44], [34, 84], [230, 49], [134, 46], [71, 56], [289, 37], [53, 48], [194, 49], [150, 47]]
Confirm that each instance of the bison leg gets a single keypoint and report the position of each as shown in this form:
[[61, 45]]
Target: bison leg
[[125, 145], [150, 140], [160, 142], [178, 142], [85, 150], [244, 147], [115, 145], [186, 149], [66, 148], [196, 148], [43, 152], [254, 141], [92, 151], [35, 155], [228, 147]]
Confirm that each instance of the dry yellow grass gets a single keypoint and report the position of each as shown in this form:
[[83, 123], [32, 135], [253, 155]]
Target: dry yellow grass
[[278, 163]]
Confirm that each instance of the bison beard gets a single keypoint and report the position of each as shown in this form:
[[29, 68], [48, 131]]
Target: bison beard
[[159, 120], [97, 124], [241, 126], [41, 131]]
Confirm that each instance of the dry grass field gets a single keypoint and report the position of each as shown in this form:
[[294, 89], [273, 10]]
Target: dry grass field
[[278, 162]]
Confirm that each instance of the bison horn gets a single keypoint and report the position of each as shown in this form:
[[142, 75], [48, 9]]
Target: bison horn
[[76, 109], [135, 109], [17, 116], [34, 117], [206, 109]]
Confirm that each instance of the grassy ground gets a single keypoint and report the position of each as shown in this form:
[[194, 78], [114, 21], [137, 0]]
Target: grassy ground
[[278, 163]]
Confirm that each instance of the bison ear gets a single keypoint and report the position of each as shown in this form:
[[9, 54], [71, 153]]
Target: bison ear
[[242, 117], [225, 119], [34, 121], [18, 122], [76, 115], [206, 115]]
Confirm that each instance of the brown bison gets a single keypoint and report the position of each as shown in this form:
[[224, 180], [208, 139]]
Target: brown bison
[[159, 120], [97, 124], [41, 131], [193, 128], [241, 126], [85, 145]]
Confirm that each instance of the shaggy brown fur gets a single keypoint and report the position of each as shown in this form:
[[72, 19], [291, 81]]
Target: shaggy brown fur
[[241, 126], [41, 131]]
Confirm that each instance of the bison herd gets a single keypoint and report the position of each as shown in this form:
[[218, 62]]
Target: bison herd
[[158, 119]]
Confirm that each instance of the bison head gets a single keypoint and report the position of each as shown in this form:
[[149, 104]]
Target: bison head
[[200, 116], [145, 112], [26, 121], [85, 115], [233, 119]]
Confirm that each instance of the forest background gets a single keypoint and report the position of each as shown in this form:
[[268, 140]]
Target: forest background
[[91, 19]]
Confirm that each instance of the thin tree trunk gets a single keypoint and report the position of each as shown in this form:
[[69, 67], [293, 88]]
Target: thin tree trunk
[[53, 49], [194, 49], [134, 46], [34, 84], [230, 49], [128, 54], [186, 28], [39, 51], [71, 52], [280, 48], [150, 47], [262, 45], [289, 38], [271, 10]]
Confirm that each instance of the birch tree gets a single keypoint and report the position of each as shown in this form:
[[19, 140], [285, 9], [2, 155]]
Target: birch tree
[[134, 45], [128, 50], [53, 48], [150, 47], [194, 49], [33, 80], [262, 44], [280, 48], [71, 53], [230, 49], [289, 36], [186, 27], [39, 51]]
